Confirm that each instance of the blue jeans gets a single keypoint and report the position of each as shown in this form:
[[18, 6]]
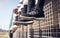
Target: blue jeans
[[38, 6], [11, 35]]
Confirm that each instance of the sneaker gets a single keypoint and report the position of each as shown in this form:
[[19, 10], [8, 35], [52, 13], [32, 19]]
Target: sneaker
[[35, 14], [28, 18]]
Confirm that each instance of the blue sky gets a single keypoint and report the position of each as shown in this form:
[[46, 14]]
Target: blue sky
[[6, 7]]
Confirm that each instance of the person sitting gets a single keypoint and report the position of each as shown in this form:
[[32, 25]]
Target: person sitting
[[22, 10]]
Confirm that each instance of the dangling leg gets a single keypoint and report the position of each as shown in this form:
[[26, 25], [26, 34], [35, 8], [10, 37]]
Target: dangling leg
[[28, 6], [31, 4], [10, 34], [24, 12], [38, 11]]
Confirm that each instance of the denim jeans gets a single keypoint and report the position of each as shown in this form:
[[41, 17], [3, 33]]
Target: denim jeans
[[11, 35], [24, 10], [38, 6], [31, 5]]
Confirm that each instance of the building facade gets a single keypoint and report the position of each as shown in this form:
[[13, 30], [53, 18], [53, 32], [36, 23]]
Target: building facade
[[51, 11]]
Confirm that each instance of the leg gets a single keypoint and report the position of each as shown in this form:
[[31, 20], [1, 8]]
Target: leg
[[40, 4], [28, 5], [10, 35], [31, 4], [24, 10], [38, 11]]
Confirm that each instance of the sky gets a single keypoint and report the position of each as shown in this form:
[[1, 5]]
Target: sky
[[6, 7]]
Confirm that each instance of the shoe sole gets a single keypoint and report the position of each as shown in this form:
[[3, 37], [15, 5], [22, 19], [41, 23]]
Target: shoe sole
[[31, 18], [27, 18], [21, 22], [42, 18]]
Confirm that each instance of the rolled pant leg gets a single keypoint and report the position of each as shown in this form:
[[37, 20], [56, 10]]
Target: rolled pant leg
[[20, 5]]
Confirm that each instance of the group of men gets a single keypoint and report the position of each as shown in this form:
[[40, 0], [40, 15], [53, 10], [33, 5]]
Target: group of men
[[28, 8]]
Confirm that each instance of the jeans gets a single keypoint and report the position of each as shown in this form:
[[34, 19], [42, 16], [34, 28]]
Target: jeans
[[24, 10], [31, 5], [11, 35], [38, 6]]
